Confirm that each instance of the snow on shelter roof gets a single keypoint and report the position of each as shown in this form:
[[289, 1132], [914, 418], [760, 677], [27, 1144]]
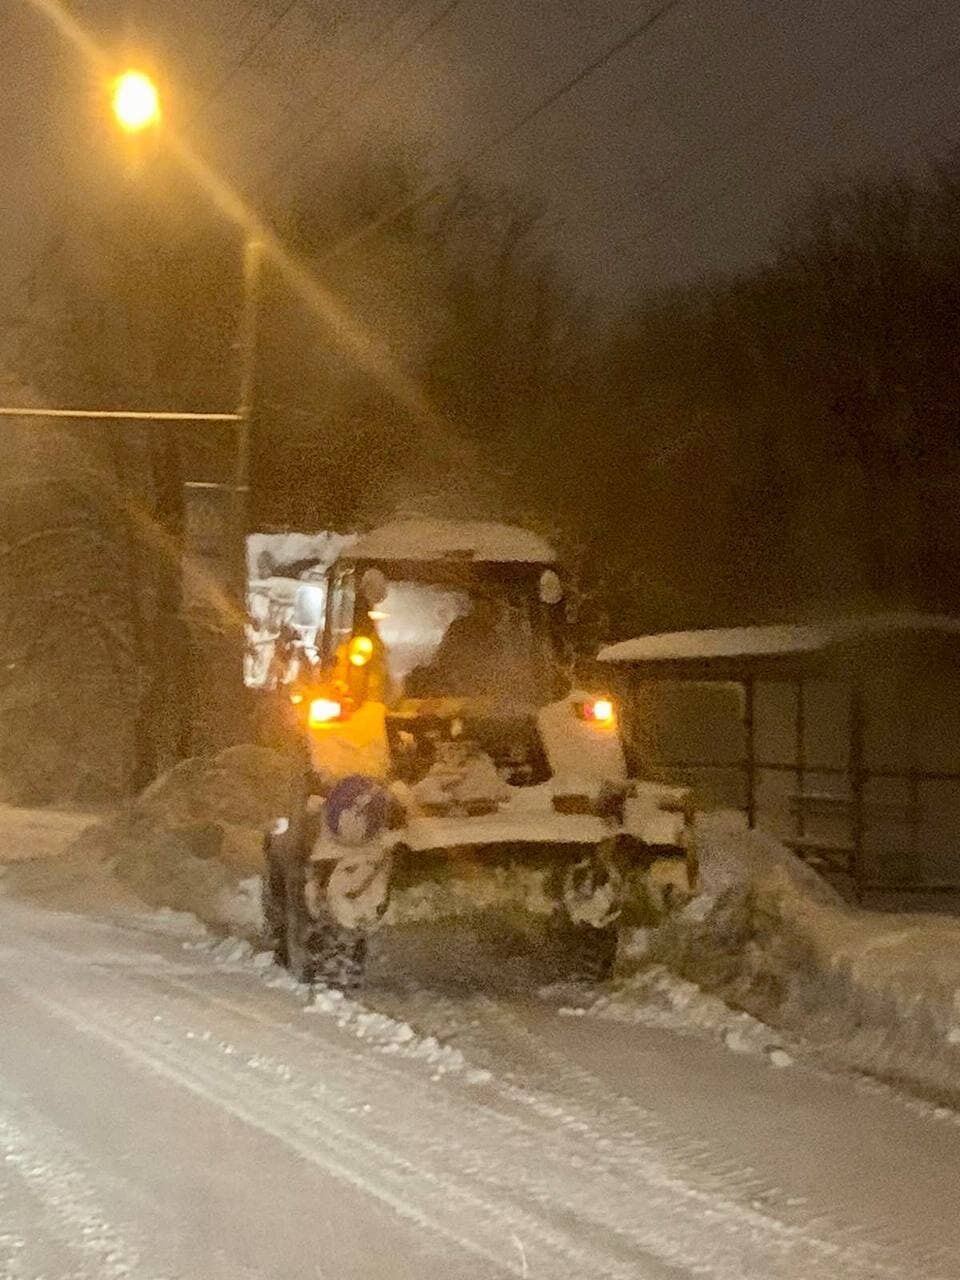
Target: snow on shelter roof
[[772, 641], [451, 539]]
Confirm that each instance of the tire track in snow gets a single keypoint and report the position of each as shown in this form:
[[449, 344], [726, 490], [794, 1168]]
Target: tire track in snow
[[521, 1217], [609, 1169], [732, 1243], [848, 1248], [454, 1212], [604, 1194], [55, 1172], [768, 1247], [574, 1094]]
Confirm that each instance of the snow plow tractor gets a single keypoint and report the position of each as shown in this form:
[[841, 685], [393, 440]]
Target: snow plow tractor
[[448, 765]]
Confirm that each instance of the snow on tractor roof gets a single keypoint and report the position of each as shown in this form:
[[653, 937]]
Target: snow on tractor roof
[[268, 551], [746, 642], [425, 540]]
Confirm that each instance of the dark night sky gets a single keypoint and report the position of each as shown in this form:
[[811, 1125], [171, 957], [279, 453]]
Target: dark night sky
[[676, 159]]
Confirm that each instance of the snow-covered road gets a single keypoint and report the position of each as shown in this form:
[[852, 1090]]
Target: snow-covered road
[[164, 1114]]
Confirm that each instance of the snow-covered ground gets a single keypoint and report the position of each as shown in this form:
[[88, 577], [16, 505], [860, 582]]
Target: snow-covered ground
[[172, 1106], [879, 992]]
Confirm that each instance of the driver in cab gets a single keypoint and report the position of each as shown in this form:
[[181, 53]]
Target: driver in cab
[[474, 658]]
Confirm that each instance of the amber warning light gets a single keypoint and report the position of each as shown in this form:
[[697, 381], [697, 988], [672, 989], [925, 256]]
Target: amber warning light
[[599, 711], [360, 651]]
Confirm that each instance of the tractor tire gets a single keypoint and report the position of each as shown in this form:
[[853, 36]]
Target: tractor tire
[[273, 897], [339, 956], [314, 948], [320, 952], [298, 940], [586, 954]]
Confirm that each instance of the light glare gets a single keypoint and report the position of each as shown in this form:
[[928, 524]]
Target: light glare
[[136, 102], [361, 650], [603, 711], [323, 711]]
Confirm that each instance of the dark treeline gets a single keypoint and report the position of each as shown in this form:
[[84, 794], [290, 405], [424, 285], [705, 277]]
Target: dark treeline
[[787, 442], [771, 446]]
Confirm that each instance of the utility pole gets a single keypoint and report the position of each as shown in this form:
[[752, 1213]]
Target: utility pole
[[217, 510], [247, 346]]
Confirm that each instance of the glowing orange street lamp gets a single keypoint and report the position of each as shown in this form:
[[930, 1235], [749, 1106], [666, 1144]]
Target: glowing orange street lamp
[[135, 101]]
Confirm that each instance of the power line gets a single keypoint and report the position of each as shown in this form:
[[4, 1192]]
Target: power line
[[119, 415], [253, 46], [426, 193], [371, 84]]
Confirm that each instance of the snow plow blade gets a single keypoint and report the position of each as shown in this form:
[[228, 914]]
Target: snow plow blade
[[579, 874]]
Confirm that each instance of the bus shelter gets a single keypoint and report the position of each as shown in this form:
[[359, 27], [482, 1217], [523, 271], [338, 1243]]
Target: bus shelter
[[841, 738]]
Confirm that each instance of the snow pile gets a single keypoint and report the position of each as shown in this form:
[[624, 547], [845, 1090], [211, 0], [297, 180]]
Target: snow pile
[[26, 834], [877, 992], [655, 997], [191, 842], [243, 786]]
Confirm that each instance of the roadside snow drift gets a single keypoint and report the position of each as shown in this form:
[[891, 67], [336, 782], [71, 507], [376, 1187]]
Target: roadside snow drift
[[879, 993], [39, 833], [190, 842]]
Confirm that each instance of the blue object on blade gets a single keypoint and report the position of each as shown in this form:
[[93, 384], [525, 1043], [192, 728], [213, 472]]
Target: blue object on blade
[[356, 810]]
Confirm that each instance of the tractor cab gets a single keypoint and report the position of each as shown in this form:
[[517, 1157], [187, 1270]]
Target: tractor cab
[[455, 630]]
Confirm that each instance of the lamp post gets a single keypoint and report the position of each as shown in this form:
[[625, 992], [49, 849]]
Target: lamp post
[[218, 607], [136, 107]]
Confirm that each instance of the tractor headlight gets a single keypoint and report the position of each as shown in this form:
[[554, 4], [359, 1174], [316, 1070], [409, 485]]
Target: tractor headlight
[[323, 711]]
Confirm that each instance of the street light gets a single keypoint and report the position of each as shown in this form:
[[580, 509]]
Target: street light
[[135, 101], [136, 107]]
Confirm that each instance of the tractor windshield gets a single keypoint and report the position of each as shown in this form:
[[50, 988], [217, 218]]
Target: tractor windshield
[[473, 641]]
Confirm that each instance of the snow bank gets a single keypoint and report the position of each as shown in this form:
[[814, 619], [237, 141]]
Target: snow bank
[[191, 842], [876, 992], [27, 834]]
